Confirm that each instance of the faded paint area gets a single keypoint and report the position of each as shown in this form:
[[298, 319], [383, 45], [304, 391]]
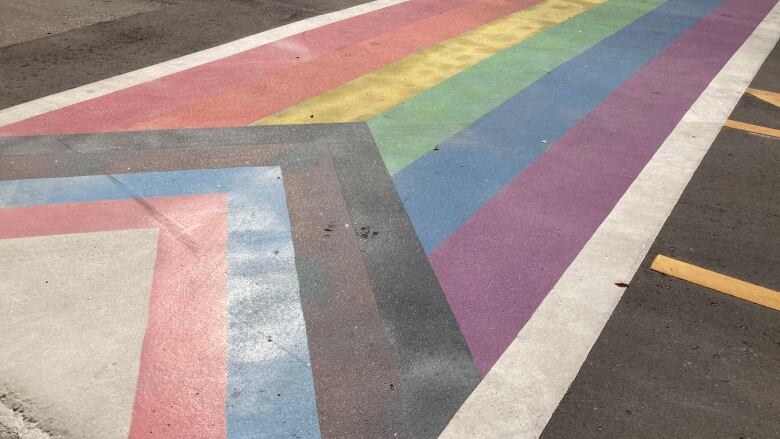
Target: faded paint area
[[76, 306]]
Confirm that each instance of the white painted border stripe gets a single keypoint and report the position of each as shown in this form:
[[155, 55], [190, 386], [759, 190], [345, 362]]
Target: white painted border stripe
[[126, 80], [519, 395]]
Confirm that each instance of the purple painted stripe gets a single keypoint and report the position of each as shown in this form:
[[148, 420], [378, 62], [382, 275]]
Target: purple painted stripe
[[498, 266]]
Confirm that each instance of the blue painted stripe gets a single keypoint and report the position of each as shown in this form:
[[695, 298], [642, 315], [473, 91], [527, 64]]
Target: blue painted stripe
[[270, 384], [442, 189]]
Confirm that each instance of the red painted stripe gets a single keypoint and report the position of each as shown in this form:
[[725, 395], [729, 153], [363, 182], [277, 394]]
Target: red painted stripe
[[121, 110], [182, 382]]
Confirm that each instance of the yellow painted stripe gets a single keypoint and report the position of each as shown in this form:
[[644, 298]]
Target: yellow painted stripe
[[382, 89], [757, 129], [768, 96], [718, 282]]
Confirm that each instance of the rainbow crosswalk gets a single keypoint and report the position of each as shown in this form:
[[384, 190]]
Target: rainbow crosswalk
[[510, 128]]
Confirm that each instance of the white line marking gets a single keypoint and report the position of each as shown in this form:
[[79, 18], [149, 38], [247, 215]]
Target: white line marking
[[519, 395], [126, 80]]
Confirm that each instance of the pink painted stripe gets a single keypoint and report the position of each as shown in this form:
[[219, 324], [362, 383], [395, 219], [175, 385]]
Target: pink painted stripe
[[123, 109], [498, 267], [182, 381]]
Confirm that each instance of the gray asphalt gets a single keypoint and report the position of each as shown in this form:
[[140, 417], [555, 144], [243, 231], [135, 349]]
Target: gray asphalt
[[80, 55], [677, 360]]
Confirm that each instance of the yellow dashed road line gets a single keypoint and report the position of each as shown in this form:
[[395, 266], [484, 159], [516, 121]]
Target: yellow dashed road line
[[718, 282], [750, 128], [767, 96]]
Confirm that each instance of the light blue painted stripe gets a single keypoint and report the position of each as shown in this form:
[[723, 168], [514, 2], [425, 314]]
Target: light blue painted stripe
[[442, 189], [270, 384]]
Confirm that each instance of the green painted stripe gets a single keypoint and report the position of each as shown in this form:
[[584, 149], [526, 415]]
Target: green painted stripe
[[409, 130]]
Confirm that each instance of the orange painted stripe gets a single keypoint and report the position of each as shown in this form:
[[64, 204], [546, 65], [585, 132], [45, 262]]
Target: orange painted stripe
[[750, 128], [718, 282]]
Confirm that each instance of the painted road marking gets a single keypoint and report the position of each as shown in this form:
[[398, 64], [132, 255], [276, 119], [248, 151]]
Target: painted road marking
[[380, 90], [767, 96], [267, 95], [361, 359], [225, 92], [750, 128], [263, 300], [194, 364], [520, 393], [415, 127], [120, 82], [327, 168], [444, 188], [587, 170], [716, 281]]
